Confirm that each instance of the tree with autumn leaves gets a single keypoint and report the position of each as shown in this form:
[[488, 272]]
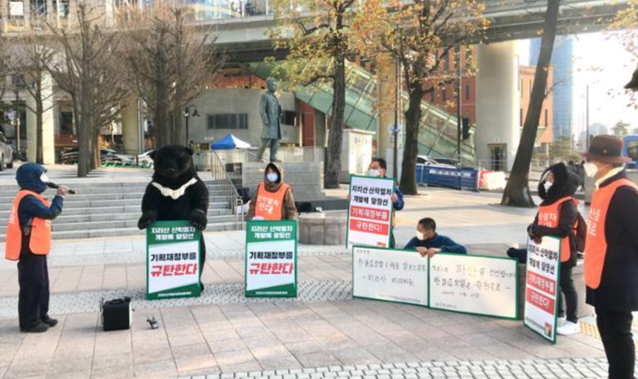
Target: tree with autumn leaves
[[419, 35]]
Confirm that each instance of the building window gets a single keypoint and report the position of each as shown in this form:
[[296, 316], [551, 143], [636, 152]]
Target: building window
[[66, 122], [289, 118], [16, 9], [432, 96], [39, 7], [228, 121], [467, 91], [444, 95], [62, 7], [447, 61], [546, 119], [468, 58]]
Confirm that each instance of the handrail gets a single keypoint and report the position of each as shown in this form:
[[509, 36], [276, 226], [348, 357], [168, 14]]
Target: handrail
[[218, 172]]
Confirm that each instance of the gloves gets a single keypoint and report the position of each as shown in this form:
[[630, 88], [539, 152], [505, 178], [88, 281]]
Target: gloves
[[198, 219], [147, 219]]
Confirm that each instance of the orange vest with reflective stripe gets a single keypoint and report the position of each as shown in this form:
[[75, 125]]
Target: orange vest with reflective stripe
[[269, 205], [549, 216], [596, 245], [40, 242]]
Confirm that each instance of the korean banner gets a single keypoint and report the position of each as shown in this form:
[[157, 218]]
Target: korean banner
[[370, 211], [542, 287], [172, 260], [271, 259], [390, 275], [479, 285]]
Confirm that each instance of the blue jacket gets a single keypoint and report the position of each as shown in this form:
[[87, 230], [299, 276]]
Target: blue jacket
[[28, 177], [440, 242], [400, 203]]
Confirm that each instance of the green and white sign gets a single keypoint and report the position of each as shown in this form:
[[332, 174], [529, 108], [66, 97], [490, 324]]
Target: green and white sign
[[172, 260], [271, 259]]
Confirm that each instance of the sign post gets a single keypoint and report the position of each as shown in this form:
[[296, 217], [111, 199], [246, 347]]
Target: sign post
[[271, 259], [542, 287], [172, 260], [370, 211]]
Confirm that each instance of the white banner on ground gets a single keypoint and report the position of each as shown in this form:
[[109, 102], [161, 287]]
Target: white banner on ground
[[474, 284], [370, 211], [390, 275], [542, 287]]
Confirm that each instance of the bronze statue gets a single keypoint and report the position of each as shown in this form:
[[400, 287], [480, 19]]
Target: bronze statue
[[270, 112]]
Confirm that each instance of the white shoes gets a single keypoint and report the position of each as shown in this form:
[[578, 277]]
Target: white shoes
[[568, 328], [561, 321]]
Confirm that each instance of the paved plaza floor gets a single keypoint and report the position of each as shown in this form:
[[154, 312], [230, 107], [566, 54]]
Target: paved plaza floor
[[323, 333]]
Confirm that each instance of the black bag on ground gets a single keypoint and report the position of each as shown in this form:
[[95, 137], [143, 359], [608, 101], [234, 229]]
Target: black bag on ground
[[117, 314]]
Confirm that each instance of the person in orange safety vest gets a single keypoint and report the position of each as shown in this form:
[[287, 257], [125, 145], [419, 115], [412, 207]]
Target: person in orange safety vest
[[29, 242], [273, 200], [611, 253], [558, 217]]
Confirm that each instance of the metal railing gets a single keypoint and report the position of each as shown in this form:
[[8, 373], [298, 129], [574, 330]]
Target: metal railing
[[221, 178]]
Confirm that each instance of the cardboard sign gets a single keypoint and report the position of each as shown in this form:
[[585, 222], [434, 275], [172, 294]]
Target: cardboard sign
[[542, 287], [271, 259], [370, 211], [478, 285], [172, 260], [391, 275]]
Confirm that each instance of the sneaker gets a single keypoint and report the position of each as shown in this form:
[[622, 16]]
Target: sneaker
[[568, 329], [561, 321], [40, 328], [50, 321]]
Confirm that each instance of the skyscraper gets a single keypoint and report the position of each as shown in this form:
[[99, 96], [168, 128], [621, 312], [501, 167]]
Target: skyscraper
[[562, 86]]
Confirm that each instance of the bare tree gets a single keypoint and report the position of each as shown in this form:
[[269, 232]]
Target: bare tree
[[517, 190], [88, 70], [170, 60]]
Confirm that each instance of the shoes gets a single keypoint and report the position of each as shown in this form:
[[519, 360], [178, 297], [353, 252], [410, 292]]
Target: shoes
[[561, 321], [568, 328], [40, 328], [201, 287], [50, 321]]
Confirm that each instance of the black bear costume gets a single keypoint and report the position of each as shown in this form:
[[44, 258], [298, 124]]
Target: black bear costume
[[176, 192]]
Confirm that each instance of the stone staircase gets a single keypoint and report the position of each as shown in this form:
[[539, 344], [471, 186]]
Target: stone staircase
[[109, 209]]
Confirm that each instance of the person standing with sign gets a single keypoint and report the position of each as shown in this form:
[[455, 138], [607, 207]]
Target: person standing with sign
[[428, 242], [378, 168], [273, 200], [558, 217], [611, 253], [29, 243]]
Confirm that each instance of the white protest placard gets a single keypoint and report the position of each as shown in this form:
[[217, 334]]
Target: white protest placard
[[390, 275], [473, 284], [370, 211], [542, 287]]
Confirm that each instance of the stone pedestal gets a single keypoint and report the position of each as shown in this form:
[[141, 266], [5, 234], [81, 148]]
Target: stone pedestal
[[305, 178], [322, 229]]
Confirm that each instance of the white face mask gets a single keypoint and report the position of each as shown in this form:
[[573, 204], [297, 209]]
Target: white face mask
[[547, 185], [373, 172], [420, 236], [44, 178], [590, 169], [272, 177]]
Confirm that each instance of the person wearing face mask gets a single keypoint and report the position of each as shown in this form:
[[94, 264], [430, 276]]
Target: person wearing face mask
[[273, 200], [378, 168], [29, 242], [611, 252], [428, 242], [558, 217]]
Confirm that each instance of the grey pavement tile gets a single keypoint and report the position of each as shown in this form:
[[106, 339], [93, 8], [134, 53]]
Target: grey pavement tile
[[241, 367], [321, 358], [195, 362], [115, 360], [231, 358], [156, 369], [117, 372], [305, 347], [288, 362], [225, 346], [200, 349]]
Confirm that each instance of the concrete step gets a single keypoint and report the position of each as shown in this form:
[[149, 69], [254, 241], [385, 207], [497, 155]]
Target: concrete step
[[6, 206], [100, 216], [98, 189], [124, 232]]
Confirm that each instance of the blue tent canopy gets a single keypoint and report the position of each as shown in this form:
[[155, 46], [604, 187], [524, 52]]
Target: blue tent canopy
[[229, 142]]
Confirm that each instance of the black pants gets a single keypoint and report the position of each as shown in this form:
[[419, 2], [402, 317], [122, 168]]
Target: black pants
[[569, 292], [33, 301], [615, 331]]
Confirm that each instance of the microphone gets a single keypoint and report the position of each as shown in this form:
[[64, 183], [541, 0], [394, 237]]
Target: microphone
[[56, 186]]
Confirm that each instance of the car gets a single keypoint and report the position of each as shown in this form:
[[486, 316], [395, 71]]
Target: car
[[6, 153], [427, 161]]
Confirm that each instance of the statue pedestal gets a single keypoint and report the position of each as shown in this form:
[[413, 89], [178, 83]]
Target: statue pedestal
[[322, 229], [305, 178]]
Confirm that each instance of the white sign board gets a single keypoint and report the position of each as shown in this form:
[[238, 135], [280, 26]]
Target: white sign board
[[391, 275], [478, 285], [16, 9], [370, 211], [542, 287]]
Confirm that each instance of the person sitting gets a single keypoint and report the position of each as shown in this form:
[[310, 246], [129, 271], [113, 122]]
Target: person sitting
[[428, 242]]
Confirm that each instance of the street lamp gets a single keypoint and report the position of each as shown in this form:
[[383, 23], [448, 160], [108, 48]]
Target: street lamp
[[189, 110]]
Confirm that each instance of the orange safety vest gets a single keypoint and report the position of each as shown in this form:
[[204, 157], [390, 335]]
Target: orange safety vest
[[548, 216], [596, 245], [40, 242], [269, 205]]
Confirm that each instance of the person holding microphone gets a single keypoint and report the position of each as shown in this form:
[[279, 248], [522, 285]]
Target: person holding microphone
[[29, 242]]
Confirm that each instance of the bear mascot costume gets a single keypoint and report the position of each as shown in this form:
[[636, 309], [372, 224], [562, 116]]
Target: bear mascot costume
[[176, 192]]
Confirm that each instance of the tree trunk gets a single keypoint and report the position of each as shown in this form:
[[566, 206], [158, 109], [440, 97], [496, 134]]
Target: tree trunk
[[517, 190], [162, 121], [411, 151], [39, 110], [336, 128]]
